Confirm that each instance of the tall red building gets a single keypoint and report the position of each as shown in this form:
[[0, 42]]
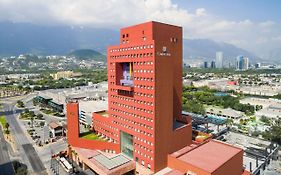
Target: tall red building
[[144, 119], [145, 91]]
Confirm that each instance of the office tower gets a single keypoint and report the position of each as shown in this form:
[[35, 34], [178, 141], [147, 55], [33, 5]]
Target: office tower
[[213, 64], [219, 60], [257, 65], [242, 63], [205, 64], [246, 63], [239, 62]]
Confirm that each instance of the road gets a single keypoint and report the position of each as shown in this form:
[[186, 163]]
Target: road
[[6, 166], [24, 144]]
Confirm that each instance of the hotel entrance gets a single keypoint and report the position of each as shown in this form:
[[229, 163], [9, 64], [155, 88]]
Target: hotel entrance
[[127, 144]]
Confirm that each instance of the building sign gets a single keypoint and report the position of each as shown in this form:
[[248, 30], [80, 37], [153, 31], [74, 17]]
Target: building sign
[[164, 52]]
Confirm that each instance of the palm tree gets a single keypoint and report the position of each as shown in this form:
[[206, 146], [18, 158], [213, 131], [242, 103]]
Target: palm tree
[[32, 119], [7, 125]]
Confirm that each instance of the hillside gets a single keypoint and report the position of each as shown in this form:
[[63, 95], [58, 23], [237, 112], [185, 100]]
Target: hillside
[[87, 54], [23, 38]]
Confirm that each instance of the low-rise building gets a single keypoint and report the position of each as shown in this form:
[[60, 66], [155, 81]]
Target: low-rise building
[[56, 129], [271, 111], [228, 113], [57, 98], [65, 74], [87, 108]]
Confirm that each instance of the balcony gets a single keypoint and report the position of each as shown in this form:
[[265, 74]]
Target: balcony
[[127, 82]]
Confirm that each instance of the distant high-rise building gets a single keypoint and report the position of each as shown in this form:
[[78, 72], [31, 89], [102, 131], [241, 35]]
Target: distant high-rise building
[[246, 63], [205, 64], [257, 65], [239, 62], [219, 60], [213, 64], [242, 63]]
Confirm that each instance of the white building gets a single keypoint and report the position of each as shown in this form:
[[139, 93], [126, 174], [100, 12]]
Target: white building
[[56, 129], [86, 109], [227, 113], [219, 60]]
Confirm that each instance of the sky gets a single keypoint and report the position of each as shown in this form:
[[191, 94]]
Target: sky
[[254, 25]]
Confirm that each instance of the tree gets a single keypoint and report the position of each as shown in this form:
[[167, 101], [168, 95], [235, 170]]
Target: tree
[[20, 104], [40, 116], [32, 116], [34, 101], [265, 119], [229, 122], [278, 96], [7, 125], [31, 120], [42, 124], [258, 107], [274, 132]]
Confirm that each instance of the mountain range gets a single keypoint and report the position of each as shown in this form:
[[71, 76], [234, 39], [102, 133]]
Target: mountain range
[[23, 38]]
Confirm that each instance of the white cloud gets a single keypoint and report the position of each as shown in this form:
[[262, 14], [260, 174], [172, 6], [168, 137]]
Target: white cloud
[[257, 37], [200, 12]]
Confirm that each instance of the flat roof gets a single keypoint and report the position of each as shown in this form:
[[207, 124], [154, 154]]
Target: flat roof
[[113, 162], [218, 153], [93, 106], [107, 163]]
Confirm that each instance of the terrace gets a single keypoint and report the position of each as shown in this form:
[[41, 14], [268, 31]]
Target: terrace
[[91, 136]]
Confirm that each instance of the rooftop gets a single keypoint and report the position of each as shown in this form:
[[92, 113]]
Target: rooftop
[[54, 125], [225, 112], [93, 106], [106, 163], [218, 153]]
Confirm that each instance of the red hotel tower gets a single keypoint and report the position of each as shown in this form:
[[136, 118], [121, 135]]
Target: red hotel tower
[[144, 119], [144, 89]]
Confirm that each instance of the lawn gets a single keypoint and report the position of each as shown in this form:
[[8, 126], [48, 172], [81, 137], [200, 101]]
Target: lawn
[[48, 111], [3, 120], [90, 136]]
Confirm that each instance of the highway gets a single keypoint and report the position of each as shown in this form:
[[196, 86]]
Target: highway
[[27, 152], [6, 167]]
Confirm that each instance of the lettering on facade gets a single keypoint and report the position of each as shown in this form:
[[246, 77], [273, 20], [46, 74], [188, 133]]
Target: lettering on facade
[[164, 52]]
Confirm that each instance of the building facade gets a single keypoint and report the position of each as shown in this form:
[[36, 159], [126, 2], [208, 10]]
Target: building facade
[[146, 65], [205, 64], [242, 63], [213, 64], [219, 60]]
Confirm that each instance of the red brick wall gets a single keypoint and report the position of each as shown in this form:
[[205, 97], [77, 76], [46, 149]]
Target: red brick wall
[[73, 133], [185, 167], [234, 166]]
